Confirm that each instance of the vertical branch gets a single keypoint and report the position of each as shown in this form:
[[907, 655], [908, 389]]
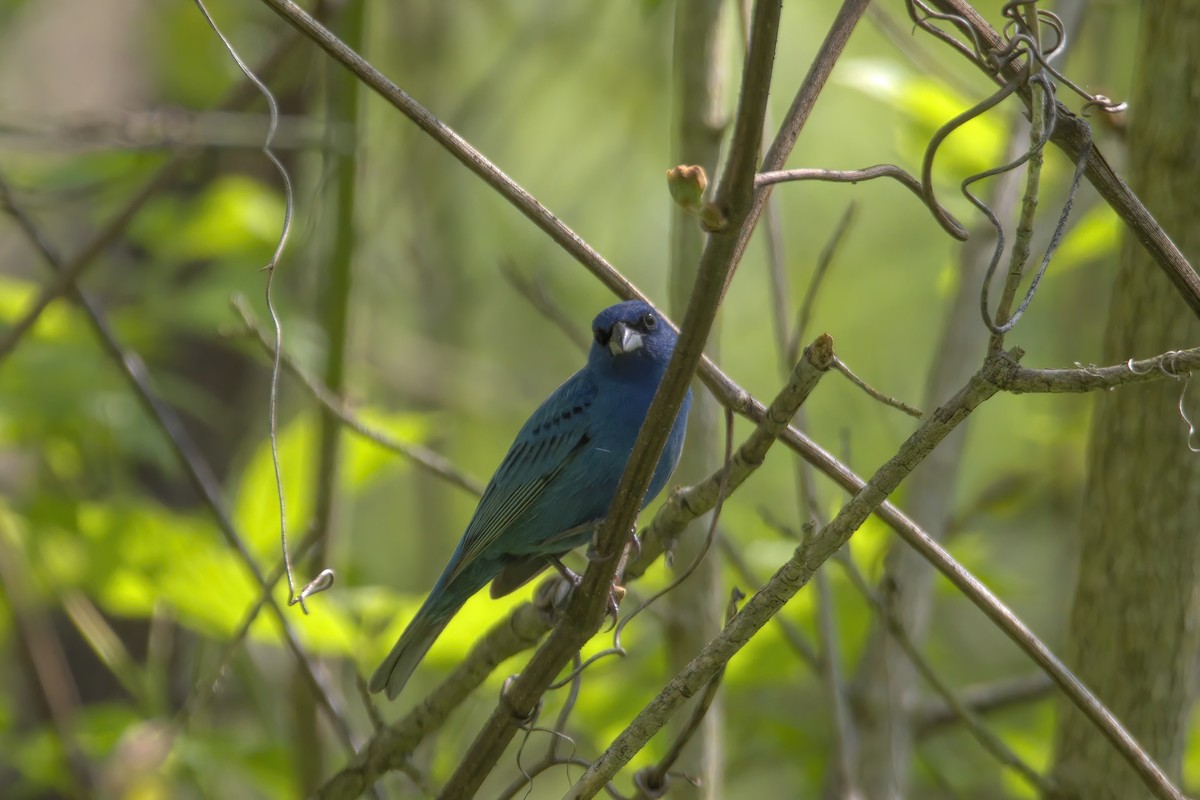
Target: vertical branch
[[694, 607], [342, 94], [40, 656], [845, 738]]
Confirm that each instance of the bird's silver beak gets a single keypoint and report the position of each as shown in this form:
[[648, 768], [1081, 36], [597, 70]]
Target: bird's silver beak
[[623, 339]]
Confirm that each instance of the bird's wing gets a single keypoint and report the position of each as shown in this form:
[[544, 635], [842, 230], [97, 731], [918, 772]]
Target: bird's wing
[[548, 442]]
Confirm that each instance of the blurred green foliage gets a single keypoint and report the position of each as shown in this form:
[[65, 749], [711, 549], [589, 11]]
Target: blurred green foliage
[[573, 101]]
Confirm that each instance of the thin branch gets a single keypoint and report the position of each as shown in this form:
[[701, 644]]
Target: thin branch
[[41, 658], [789, 346], [1171, 364], [792, 635], [790, 578], [688, 503], [533, 290], [874, 393], [652, 781], [336, 280], [199, 474], [73, 270], [944, 218], [990, 742], [845, 736], [423, 457], [733, 198], [1073, 136], [936, 715]]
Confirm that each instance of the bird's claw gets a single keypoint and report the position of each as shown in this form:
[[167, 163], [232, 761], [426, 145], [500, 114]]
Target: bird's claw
[[615, 595], [569, 576]]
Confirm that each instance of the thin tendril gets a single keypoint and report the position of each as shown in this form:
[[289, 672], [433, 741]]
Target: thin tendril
[[325, 579]]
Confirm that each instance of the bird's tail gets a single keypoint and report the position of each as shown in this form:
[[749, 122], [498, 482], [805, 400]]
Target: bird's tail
[[412, 646]]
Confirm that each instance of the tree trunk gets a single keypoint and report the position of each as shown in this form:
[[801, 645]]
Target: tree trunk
[[1133, 635]]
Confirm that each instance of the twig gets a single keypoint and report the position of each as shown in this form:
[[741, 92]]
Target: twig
[[700, 70], [107, 645], [1072, 135], [44, 664], [533, 290], [1041, 126], [686, 504], [116, 226], [944, 218], [787, 345], [782, 587], [983, 699], [982, 734], [652, 781], [845, 737], [1172, 364], [421, 456], [792, 635], [874, 393], [845, 734], [341, 102]]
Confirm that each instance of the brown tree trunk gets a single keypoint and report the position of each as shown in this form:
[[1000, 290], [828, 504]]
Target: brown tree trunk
[[1133, 635]]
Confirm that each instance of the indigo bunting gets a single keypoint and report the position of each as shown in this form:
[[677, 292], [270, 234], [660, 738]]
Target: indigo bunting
[[558, 480]]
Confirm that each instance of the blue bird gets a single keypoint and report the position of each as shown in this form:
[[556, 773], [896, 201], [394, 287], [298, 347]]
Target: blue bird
[[558, 480]]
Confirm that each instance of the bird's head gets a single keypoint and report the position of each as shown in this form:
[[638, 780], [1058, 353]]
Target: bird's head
[[630, 338]]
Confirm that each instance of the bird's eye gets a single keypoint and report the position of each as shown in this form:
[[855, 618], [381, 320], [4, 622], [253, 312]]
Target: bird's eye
[[649, 321], [602, 336]]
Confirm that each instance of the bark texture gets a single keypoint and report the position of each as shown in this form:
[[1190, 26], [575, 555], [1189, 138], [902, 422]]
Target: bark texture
[[1133, 635]]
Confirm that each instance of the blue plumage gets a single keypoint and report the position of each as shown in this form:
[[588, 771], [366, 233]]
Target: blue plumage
[[558, 479]]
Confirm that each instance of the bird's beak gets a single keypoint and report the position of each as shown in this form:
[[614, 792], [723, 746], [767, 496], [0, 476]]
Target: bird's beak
[[623, 339]]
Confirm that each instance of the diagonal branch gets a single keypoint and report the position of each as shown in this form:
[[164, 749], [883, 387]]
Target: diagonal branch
[[525, 625], [74, 269], [790, 578], [203, 481], [810, 555], [587, 604]]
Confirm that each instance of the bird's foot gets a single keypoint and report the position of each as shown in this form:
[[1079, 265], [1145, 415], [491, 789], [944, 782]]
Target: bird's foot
[[615, 595], [570, 577]]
